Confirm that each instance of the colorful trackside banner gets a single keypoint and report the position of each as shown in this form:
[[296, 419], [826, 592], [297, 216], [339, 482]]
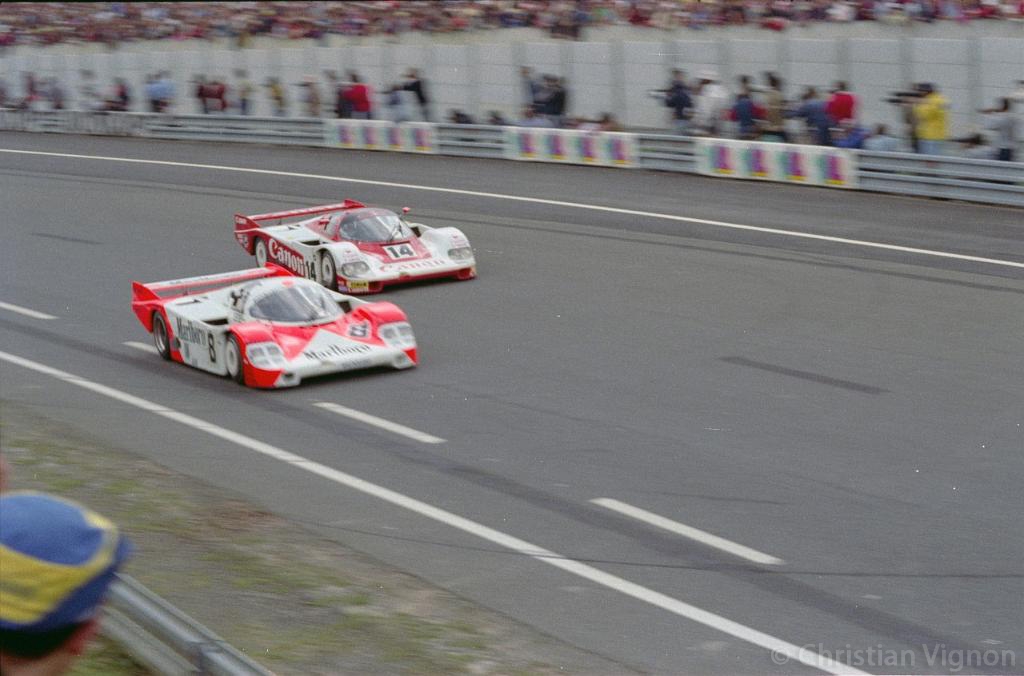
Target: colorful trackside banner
[[405, 137], [571, 146], [783, 162]]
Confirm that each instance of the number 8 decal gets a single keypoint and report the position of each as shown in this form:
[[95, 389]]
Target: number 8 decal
[[213, 348]]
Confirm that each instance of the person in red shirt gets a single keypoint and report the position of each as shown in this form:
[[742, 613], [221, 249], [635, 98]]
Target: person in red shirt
[[842, 105], [216, 92], [358, 95]]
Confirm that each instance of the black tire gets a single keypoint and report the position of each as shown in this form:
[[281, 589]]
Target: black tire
[[233, 359], [161, 340], [259, 251], [328, 271]]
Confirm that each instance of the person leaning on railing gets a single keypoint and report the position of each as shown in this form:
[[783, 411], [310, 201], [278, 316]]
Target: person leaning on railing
[[773, 128], [880, 140], [1003, 123], [57, 561]]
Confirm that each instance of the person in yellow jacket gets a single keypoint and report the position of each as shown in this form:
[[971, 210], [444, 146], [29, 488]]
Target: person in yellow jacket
[[931, 121]]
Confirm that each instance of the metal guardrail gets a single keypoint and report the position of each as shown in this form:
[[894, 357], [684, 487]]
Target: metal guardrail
[[275, 130], [985, 181], [165, 640], [988, 181], [663, 152], [471, 140]]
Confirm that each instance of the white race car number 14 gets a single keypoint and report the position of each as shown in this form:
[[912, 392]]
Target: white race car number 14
[[397, 251]]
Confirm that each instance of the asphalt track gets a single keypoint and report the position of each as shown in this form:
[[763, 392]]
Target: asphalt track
[[851, 411]]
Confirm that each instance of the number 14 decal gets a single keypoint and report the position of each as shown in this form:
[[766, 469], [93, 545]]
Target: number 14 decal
[[400, 251]]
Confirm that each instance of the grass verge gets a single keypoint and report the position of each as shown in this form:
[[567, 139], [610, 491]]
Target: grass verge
[[296, 602]]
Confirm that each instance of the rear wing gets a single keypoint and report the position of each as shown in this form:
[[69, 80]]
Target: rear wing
[[245, 223], [175, 288]]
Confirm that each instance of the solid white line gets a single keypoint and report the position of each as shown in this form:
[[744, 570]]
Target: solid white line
[[34, 314], [701, 536], [537, 200], [380, 422], [778, 647], [145, 347]]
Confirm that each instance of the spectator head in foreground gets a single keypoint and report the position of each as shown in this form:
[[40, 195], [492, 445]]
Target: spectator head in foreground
[[58, 560]]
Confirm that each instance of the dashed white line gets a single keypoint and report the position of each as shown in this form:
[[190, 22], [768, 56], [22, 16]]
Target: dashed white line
[[538, 200], [383, 424], [690, 532], [778, 647], [145, 347], [28, 312]]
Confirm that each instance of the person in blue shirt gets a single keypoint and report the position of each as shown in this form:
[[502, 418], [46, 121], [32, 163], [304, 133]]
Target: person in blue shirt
[[812, 110], [164, 90], [745, 115], [677, 97], [851, 135]]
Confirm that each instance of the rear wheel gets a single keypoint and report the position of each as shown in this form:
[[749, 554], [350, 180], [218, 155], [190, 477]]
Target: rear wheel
[[160, 340], [328, 271], [233, 360], [261, 252]]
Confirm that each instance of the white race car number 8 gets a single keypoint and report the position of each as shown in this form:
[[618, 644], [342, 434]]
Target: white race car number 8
[[397, 251]]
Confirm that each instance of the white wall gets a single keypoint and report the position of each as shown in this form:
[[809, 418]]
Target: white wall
[[609, 76]]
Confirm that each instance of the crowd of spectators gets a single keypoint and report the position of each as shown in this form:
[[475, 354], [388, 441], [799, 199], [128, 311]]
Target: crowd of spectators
[[545, 98], [113, 23], [703, 106], [545, 103], [694, 106]]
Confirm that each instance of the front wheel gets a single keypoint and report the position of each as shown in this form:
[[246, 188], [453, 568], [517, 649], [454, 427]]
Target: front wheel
[[233, 360], [328, 271], [261, 252], [160, 340]]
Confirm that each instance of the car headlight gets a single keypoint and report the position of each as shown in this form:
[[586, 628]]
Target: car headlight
[[354, 269], [463, 253], [265, 355], [397, 334]]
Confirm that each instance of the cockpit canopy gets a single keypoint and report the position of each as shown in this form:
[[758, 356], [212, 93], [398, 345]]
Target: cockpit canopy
[[368, 225], [292, 301]]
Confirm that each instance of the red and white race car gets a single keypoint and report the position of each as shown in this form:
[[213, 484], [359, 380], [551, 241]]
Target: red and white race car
[[267, 328], [354, 248]]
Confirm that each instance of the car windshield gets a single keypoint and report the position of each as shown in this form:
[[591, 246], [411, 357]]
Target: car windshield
[[373, 225], [307, 303]]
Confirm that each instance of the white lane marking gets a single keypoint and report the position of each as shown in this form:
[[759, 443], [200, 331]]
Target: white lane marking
[[34, 314], [145, 347], [383, 424], [697, 534], [777, 646], [538, 200]]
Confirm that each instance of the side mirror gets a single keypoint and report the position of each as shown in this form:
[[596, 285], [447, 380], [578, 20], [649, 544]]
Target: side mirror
[[405, 210]]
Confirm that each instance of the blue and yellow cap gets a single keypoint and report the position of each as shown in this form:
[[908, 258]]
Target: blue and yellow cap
[[57, 559]]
